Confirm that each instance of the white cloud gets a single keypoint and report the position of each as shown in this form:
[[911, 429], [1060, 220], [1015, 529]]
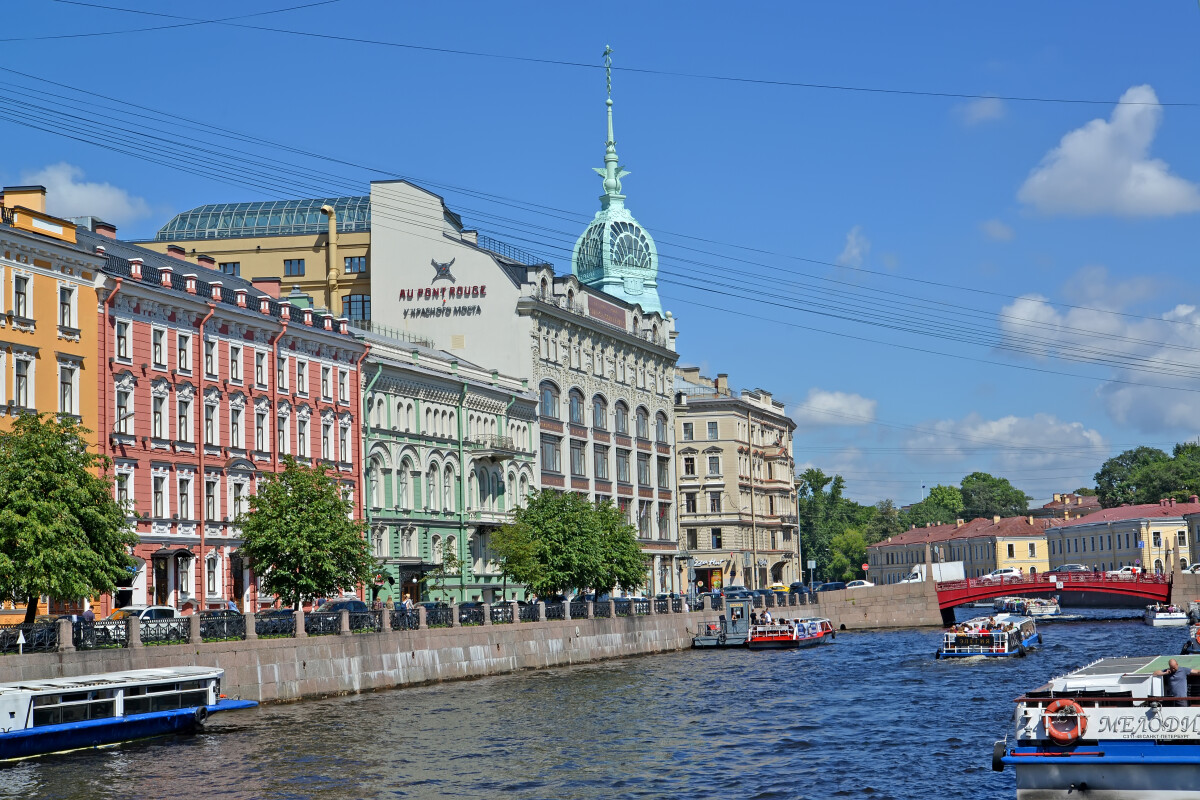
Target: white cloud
[[985, 109], [822, 409], [68, 195], [1105, 168], [1014, 444], [996, 230], [854, 254]]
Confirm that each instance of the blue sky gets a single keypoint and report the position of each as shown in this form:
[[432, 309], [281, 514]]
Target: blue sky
[[759, 195]]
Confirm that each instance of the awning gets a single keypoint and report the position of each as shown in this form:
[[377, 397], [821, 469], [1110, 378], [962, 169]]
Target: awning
[[172, 552]]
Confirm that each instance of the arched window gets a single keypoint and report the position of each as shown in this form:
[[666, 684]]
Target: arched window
[[431, 488], [542, 289], [512, 489], [660, 427], [483, 487], [451, 546], [436, 549], [599, 413], [497, 497], [524, 491], [376, 487], [621, 420], [1158, 566], [448, 489], [549, 407], [471, 489], [643, 423], [402, 484], [576, 407], [1183, 563], [428, 421]]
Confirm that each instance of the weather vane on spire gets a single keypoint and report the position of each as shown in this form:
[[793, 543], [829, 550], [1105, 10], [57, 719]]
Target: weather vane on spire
[[608, 67]]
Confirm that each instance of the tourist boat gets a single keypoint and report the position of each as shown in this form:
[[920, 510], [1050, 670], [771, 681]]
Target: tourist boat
[[1165, 616], [1192, 645], [61, 714], [998, 635], [791, 634], [1106, 731], [1038, 607]]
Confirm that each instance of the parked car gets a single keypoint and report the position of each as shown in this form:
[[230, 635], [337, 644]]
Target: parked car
[[797, 588], [1124, 572], [275, 621], [777, 587], [1001, 575], [858, 584], [351, 604], [144, 612], [1062, 568], [470, 612], [831, 586]]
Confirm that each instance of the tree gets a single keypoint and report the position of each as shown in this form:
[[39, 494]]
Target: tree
[[823, 514], [1085, 491], [62, 534], [300, 538], [885, 523], [1177, 477], [943, 506], [1114, 482], [984, 495], [849, 554], [449, 566], [561, 541]]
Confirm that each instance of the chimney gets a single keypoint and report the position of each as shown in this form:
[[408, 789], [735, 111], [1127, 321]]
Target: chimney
[[722, 383], [343, 325], [101, 250], [308, 317], [470, 236], [241, 297], [206, 261], [216, 290], [285, 310], [958, 523], [175, 251], [1058, 498], [166, 273], [328, 322], [269, 285], [135, 268], [264, 304], [996, 520], [105, 229], [1029, 519], [912, 527], [189, 282], [31, 197], [1194, 499]]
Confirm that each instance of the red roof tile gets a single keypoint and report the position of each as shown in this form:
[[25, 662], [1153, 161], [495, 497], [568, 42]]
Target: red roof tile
[[1145, 511], [976, 528]]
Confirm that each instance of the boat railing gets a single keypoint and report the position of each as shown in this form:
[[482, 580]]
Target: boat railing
[[35, 637], [772, 630], [977, 642], [1109, 701], [166, 631]]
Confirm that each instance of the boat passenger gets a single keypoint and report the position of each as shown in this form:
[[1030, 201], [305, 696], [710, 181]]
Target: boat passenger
[[753, 617], [766, 618], [1175, 680]]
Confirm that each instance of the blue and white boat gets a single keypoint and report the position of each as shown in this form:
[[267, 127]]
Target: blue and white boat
[[996, 636], [61, 714], [1107, 731]]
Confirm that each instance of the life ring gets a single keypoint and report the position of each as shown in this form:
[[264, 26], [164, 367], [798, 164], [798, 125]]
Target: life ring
[[201, 714], [1064, 721]]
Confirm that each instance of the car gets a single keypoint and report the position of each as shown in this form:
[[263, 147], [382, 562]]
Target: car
[[797, 588], [1062, 568], [1001, 575], [351, 604], [858, 584], [471, 612], [144, 612], [1124, 572], [831, 586], [777, 587], [275, 621]]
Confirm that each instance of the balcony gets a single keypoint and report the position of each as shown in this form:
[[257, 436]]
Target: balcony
[[501, 448], [787, 519], [490, 517]]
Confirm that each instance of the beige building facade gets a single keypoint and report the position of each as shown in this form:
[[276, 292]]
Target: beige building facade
[[737, 494], [1147, 536], [982, 545]]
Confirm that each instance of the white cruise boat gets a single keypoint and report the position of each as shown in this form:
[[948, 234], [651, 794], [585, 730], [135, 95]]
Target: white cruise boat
[[1165, 616], [1107, 731], [999, 635], [1039, 607]]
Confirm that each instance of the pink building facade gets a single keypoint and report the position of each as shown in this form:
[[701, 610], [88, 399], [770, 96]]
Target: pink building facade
[[208, 382]]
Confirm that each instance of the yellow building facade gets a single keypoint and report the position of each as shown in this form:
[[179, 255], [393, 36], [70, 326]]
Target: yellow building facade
[[1148, 536], [982, 545]]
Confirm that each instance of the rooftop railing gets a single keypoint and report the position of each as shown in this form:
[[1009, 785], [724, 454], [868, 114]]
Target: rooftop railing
[[386, 332], [511, 253]]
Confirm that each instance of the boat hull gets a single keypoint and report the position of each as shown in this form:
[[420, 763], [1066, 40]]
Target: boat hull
[[113, 730], [1126, 771], [1167, 622], [789, 644]]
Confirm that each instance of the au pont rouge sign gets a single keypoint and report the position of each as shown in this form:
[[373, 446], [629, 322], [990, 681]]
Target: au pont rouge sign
[[443, 294]]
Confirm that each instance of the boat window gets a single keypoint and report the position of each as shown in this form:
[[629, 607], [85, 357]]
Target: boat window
[[72, 707]]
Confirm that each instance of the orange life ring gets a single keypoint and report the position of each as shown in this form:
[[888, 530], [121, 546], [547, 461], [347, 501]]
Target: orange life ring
[[1198, 635], [1064, 721]]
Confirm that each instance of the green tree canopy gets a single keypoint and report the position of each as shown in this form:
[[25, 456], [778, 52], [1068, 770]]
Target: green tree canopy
[[985, 495], [62, 534], [849, 554], [1177, 477], [824, 513], [942, 506], [300, 538], [885, 523], [1115, 484], [561, 541], [1085, 491]]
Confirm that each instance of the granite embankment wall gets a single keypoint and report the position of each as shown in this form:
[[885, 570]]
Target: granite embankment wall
[[898, 605]]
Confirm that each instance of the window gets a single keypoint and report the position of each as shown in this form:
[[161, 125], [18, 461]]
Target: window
[[576, 407], [281, 435], [184, 431], [210, 499], [123, 340], [293, 267], [183, 355], [623, 465], [1012, 551], [123, 490], [1181, 538], [687, 431], [325, 384], [644, 518], [235, 428], [355, 265], [600, 458], [260, 368], [689, 502], [302, 377], [643, 424], [210, 572], [550, 454], [716, 539], [185, 498], [549, 405], [302, 438], [66, 390], [712, 431], [621, 422], [158, 349], [356, 306], [578, 454], [343, 386], [325, 443], [123, 412], [689, 466], [344, 444], [660, 428], [664, 473], [65, 303], [21, 395], [158, 498], [599, 413], [1157, 539], [714, 465], [260, 431], [210, 424], [156, 417], [643, 462], [239, 499], [281, 373], [235, 363], [20, 296], [714, 502], [1032, 550], [230, 268]]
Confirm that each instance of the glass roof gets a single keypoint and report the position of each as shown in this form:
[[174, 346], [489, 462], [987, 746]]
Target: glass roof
[[266, 218]]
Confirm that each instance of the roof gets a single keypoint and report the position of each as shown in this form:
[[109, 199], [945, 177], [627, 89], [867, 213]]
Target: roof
[[267, 218], [981, 527], [1073, 502], [1159, 510], [110, 678]]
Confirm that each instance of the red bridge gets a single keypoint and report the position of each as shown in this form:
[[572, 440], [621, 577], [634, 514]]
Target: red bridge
[[1152, 588]]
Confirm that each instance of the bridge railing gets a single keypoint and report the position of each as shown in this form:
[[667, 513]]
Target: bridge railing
[[1050, 579]]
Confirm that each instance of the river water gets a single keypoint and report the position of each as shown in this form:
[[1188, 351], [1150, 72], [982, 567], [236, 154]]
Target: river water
[[871, 716]]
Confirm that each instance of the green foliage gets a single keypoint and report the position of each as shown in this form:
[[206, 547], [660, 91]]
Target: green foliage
[[62, 534], [1115, 482], [561, 541], [1085, 491], [1177, 477], [984, 495], [886, 522], [300, 538], [943, 506], [448, 568], [849, 554], [825, 513]]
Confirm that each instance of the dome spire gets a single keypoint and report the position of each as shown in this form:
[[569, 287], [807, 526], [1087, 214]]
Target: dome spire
[[612, 172]]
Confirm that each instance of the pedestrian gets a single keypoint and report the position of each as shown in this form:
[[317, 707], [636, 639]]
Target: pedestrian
[[232, 606], [407, 604], [753, 617], [89, 615], [1175, 680]]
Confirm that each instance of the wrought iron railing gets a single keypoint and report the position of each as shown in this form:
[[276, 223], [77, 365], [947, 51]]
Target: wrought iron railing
[[579, 609], [322, 623], [166, 631], [502, 613], [439, 617], [718, 603], [390, 333], [555, 611], [662, 606], [405, 620], [36, 637], [6, 215], [275, 623], [602, 609], [508, 251], [98, 634], [494, 441], [528, 613], [470, 615], [677, 605], [220, 625], [366, 621]]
